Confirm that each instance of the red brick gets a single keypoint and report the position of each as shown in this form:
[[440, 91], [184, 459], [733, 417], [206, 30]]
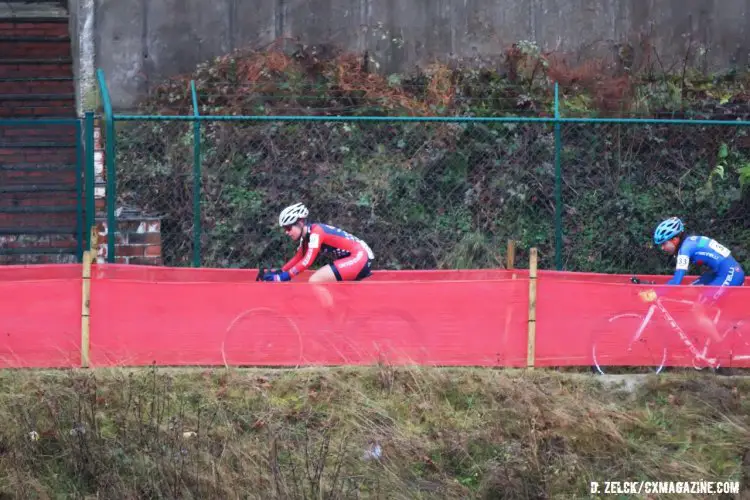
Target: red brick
[[36, 220], [103, 238], [146, 261], [57, 133], [18, 105], [39, 87], [35, 70], [69, 243], [18, 177], [128, 226], [55, 199], [145, 238], [66, 111], [129, 250], [62, 100], [153, 251], [63, 140], [40, 28], [14, 156], [31, 50]]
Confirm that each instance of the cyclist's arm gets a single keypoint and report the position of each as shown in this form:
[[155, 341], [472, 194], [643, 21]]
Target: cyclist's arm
[[683, 264], [679, 275], [297, 257], [313, 248]]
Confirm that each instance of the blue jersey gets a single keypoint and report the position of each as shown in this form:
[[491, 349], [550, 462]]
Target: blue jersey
[[702, 250]]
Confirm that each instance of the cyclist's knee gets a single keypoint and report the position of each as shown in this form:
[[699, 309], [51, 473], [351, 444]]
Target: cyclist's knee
[[323, 275]]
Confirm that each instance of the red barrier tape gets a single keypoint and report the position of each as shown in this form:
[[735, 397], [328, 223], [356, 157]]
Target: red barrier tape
[[39, 272], [290, 324], [597, 278], [175, 316], [578, 319], [189, 275], [40, 322]]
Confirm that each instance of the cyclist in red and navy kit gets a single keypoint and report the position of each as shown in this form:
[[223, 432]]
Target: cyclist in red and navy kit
[[353, 256]]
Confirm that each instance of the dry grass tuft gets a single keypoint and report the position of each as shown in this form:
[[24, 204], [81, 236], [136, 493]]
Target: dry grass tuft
[[359, 433]]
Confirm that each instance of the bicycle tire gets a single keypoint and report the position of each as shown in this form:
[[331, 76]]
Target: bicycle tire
[[611, 347], [389, 352], [259, 333], [736, 339]]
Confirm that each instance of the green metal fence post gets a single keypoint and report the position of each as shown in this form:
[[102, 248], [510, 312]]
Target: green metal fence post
[[110, 161], [558, 183], [196, 179], [89, 174], [79, 191]]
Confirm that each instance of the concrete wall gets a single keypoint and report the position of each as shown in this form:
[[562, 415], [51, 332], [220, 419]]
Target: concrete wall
[[139, 42], [81, 22]]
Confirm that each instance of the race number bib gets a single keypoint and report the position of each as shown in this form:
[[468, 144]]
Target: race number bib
[[719, 248], [683, 262], [314, 240]]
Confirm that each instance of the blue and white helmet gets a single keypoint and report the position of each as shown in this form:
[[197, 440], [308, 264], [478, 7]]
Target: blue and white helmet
[[667, 230]]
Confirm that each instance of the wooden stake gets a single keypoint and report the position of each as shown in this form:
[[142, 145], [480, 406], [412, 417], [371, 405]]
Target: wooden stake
[[511, 257], [531, 349], [88, 257]]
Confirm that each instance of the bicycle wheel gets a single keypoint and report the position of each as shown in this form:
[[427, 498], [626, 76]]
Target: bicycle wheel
[[615, 350], [389, 336], [262, 337], [735, 345]]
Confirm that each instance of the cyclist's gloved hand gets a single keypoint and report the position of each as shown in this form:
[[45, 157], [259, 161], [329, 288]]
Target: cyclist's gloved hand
[[269, 276], [282, 276], [647, 295]]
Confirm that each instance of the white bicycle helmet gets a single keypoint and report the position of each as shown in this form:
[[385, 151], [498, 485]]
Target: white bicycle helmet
[[292, 214]]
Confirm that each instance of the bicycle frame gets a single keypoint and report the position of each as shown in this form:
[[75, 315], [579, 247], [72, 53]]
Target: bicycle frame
[[659, 304]]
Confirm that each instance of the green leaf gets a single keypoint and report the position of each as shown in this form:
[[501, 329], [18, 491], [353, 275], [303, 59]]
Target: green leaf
[[744, 172], [723, 150]]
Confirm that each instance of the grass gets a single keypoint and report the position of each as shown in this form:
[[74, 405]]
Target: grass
[[443, 433]]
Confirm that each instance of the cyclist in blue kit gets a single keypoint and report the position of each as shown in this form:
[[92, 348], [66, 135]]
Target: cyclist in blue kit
[[723, 269]]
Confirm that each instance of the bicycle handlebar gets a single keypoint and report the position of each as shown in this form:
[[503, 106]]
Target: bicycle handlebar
[[262, 272], [637, 281]]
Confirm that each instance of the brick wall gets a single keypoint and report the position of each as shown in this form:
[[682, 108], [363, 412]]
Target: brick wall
[[138, 241], [13, 28], [38, 199], [60, 246], [138, 237], [100, 200]]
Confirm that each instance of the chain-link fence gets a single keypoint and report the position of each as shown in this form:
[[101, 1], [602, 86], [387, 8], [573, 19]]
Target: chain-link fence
[[154, 179], [621, 179], [433, 192], [422, 194]]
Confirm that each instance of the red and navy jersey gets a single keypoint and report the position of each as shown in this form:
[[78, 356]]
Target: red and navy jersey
[[326, 240]]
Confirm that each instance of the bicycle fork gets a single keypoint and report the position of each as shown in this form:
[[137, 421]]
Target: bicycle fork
[[641, 328]]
